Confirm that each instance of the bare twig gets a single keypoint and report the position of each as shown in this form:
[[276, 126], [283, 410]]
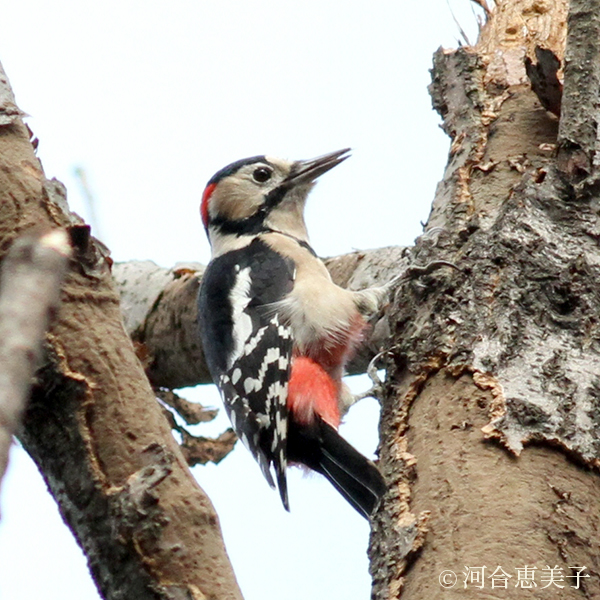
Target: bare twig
[[191, 412], [484, 5], [460, 29], [200, 450], [31, 277]]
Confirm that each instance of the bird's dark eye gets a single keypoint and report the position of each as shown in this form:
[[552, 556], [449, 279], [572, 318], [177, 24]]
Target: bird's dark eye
[[261, 174]]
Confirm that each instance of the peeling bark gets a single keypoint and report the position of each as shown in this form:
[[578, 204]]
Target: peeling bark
[[489, 429]]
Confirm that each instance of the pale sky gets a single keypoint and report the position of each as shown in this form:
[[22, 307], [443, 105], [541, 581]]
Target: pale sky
[[151, 98]]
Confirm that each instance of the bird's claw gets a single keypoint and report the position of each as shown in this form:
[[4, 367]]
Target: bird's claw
[[432, 234], [418, 271], [377, 389]]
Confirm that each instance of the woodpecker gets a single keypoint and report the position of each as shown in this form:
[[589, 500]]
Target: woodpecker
[[277, 332]]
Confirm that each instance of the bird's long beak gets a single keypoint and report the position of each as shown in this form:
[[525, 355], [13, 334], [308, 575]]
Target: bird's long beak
[[305, 171]]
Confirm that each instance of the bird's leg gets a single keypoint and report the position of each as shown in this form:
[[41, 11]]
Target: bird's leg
[[373, 301]]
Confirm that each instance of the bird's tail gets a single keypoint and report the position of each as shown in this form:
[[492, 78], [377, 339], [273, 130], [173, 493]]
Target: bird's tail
[[321, 448]]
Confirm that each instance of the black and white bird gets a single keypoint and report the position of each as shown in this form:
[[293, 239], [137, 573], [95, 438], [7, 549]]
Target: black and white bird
[[277, 332]]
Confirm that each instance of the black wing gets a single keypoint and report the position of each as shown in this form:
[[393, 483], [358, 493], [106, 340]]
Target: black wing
[[248, 350]]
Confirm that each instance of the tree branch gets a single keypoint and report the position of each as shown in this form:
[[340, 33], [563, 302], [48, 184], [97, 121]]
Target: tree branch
[[160, 311], [29, 291]]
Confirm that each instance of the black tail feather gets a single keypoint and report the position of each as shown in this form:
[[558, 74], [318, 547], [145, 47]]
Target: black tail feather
[[282, 485], [321, 448]]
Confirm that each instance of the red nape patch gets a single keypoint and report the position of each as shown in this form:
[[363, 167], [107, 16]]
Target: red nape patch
[[204, 204], [312, 391]]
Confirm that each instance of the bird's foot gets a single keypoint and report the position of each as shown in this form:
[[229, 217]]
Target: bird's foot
[[377, 388]]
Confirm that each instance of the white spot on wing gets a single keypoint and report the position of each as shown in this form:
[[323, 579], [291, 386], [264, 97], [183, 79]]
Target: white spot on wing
[[262, 420], [242, 323], [280, 428], [250, 383], [277, 390], [282, 331], [254, 340], [272, 356]]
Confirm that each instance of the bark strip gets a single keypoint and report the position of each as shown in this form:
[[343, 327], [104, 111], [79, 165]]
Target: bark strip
[[578, 132], [29, 291]]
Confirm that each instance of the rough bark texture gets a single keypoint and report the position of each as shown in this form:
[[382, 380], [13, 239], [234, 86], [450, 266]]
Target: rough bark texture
[[578, 133], [489, 430], [120, 480]]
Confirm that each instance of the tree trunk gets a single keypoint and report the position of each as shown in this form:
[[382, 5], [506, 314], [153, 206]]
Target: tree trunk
[[120, 480], [488, 430]]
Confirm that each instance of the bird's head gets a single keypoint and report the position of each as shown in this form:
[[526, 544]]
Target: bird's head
[[262, 193]]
